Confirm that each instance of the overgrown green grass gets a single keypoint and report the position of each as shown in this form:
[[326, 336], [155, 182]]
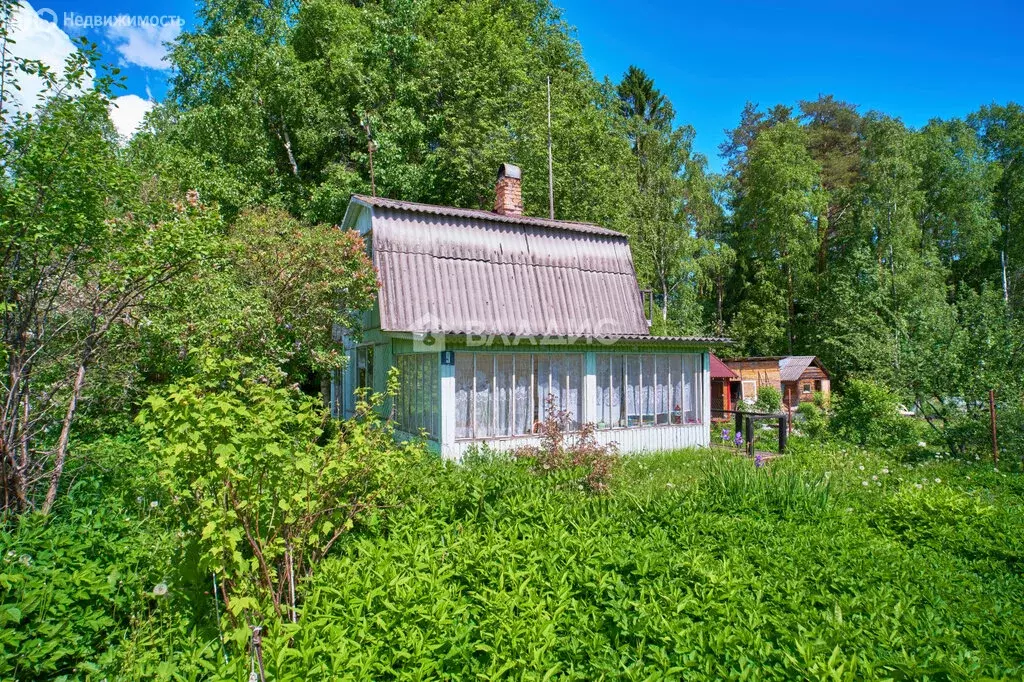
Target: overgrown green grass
[[829, 563]]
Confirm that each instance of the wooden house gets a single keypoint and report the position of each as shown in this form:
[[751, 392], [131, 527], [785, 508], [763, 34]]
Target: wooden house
[[796, 377], [493, 316]]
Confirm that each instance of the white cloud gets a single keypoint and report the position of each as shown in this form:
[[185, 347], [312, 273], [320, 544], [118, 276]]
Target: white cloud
[[142, 44], [36, 38], [127, 113]]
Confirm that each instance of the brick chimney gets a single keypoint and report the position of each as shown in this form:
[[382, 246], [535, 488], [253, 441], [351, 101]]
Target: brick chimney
[[508, 194]]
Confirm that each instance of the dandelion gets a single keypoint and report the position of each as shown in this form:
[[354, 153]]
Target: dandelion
[[154, 504], [139, 499], [922, 444], [861, 467], [160, 589], [874, 478], [885, 470], [864, 483], [878, 483], [918, 486], [938, 480], [670, 485], [25, 560]]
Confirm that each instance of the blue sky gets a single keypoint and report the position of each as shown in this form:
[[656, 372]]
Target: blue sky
[[916, 60]]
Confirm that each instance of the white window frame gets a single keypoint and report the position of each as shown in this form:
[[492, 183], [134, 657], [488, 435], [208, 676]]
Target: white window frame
[[535, 409], [687, 362]]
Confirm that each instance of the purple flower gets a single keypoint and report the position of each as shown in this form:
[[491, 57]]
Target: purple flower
[[738, 439], [759, 461], [725, 435]]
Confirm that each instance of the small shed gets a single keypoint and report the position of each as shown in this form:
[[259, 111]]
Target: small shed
[[754, 373], [802, 376], [725, 389], [796, 377]]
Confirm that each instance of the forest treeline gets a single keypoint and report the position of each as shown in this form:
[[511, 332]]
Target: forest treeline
[[893, 253]]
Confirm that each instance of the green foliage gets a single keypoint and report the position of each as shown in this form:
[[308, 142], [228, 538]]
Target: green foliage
[[813, 419], [769, 399], [280, 299], [565, 451], [866, 414], [263, 480], [73, 584], [490, 570], [85, 242]]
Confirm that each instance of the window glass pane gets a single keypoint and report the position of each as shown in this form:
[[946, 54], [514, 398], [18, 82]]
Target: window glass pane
[[435, 397], [558, 380], [484, 396], [647, 389], [676, 372], [463, 395], [617, 404], [415, 393], [662, 388], [523, 402], [689, 398], [401, 408], [604, 370], [573, 394], [503, 387], [422, 393], [632, 384], [542, 371], [698, 389]]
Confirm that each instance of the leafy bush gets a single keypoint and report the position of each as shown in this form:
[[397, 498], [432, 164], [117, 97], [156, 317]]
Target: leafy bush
[[263, 481], [73, 584], [561, 450], [769, 400], [866, 413], [813, 419]]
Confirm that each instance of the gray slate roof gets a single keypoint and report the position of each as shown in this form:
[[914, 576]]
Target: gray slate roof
[[791, 367], [463, 271]]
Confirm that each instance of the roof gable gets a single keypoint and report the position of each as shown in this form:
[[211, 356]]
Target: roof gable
[[719, 370]]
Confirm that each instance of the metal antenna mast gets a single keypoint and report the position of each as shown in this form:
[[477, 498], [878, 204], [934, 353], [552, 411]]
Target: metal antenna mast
[[551, 171]]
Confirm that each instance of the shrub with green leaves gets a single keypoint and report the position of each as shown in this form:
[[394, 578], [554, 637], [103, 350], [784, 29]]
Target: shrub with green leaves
[[74, 584], [264, 480], [866, 414], [769, 400], [564, 450], [813, 419]]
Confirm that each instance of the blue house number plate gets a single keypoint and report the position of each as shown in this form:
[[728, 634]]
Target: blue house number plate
[[447, 357]]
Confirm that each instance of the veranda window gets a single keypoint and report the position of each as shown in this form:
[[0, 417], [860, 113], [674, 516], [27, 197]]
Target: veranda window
[[418, 400], [505, 394], [648, 390]]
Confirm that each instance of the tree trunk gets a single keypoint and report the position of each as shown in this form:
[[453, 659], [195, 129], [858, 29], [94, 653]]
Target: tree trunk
[[62, 441], [790, 307], [721, 297], [664, 300]]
